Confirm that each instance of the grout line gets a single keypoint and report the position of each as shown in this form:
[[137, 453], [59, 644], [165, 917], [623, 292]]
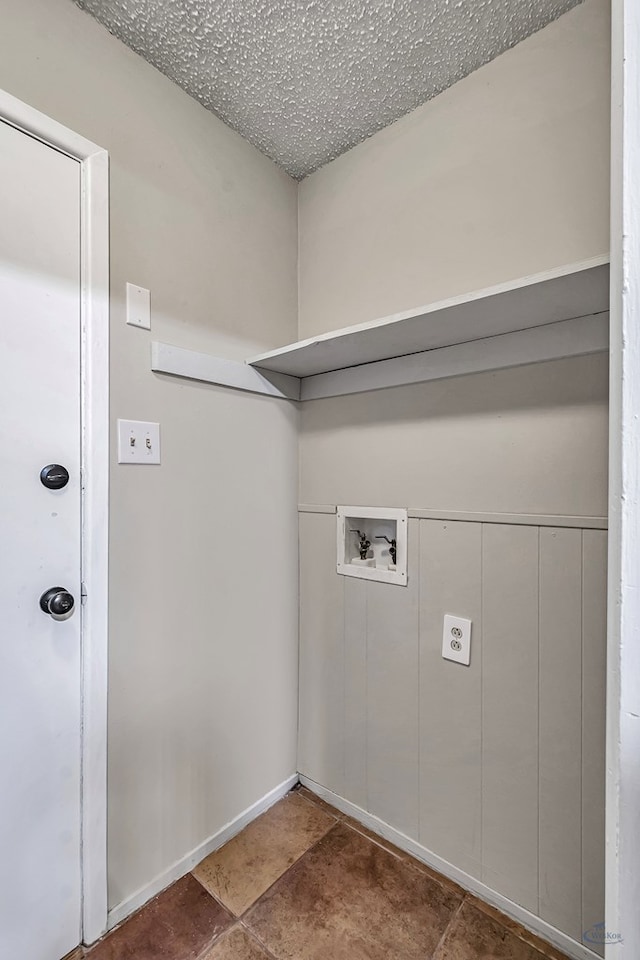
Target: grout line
[[337, 815], [211, 943], [452, 920], [216, 936], [318, 806], [239, 920], [515, 929], [351, 823], [371, 837], [341, 818], [212, 895], [260, 942], [241, 916], [407, 860], [254, 936], [226, 909], [297, 860]]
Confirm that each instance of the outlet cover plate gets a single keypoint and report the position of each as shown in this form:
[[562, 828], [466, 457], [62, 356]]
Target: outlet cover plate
[[456, 639], [138, 441], [138, 306]]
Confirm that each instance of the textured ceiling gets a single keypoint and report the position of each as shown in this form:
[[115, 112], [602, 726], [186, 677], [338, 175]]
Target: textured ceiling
[[305, 80]]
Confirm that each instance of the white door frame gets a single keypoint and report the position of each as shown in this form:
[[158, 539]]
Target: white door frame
[[94, 281], [623, 630]]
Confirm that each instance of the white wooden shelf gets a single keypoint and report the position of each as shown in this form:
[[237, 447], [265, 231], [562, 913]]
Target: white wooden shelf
[[574, 291], [561, 313]]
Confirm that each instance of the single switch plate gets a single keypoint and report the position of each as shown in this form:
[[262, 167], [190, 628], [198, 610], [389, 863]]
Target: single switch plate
[[138, 307], [456, 639], [138, 441]]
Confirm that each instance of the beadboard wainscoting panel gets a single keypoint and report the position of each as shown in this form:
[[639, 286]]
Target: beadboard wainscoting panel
[[393, 695], [560, 778], [594, 668], [355, 688], [321, 720], [450, 695], [496, 767], [510, 711]]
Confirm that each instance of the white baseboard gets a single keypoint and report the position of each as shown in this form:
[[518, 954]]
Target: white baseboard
[[187, 863], [529, 920]]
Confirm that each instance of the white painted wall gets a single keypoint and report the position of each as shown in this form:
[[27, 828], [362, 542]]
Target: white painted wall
[[203, 651]]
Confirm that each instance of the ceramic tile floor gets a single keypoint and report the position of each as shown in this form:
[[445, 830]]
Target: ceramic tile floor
[[303, 882]]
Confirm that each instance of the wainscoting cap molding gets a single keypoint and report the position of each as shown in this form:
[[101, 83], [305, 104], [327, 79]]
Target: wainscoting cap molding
[[517, 519]]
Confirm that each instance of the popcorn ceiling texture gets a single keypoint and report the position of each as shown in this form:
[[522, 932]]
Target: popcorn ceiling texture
[[305, 80]]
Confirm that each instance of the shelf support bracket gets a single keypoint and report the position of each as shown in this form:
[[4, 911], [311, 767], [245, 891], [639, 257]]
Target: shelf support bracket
[[178, 362]]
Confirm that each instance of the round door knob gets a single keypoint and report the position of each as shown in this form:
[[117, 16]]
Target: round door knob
[[54, 476], [57, 602]]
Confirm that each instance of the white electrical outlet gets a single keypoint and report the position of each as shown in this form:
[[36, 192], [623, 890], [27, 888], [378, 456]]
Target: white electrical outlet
[[138, 441], [456, 639]]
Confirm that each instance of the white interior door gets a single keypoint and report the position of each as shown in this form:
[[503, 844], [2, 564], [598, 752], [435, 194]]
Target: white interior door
[[40, 657]]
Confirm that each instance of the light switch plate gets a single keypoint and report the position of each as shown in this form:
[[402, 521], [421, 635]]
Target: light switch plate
[[138, 307], [138, 441], [456, 639]]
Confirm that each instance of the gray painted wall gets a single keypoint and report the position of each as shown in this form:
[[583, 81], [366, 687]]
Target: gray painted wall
[[497, 767], [527, 440], [503, 175], [203, 659]]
